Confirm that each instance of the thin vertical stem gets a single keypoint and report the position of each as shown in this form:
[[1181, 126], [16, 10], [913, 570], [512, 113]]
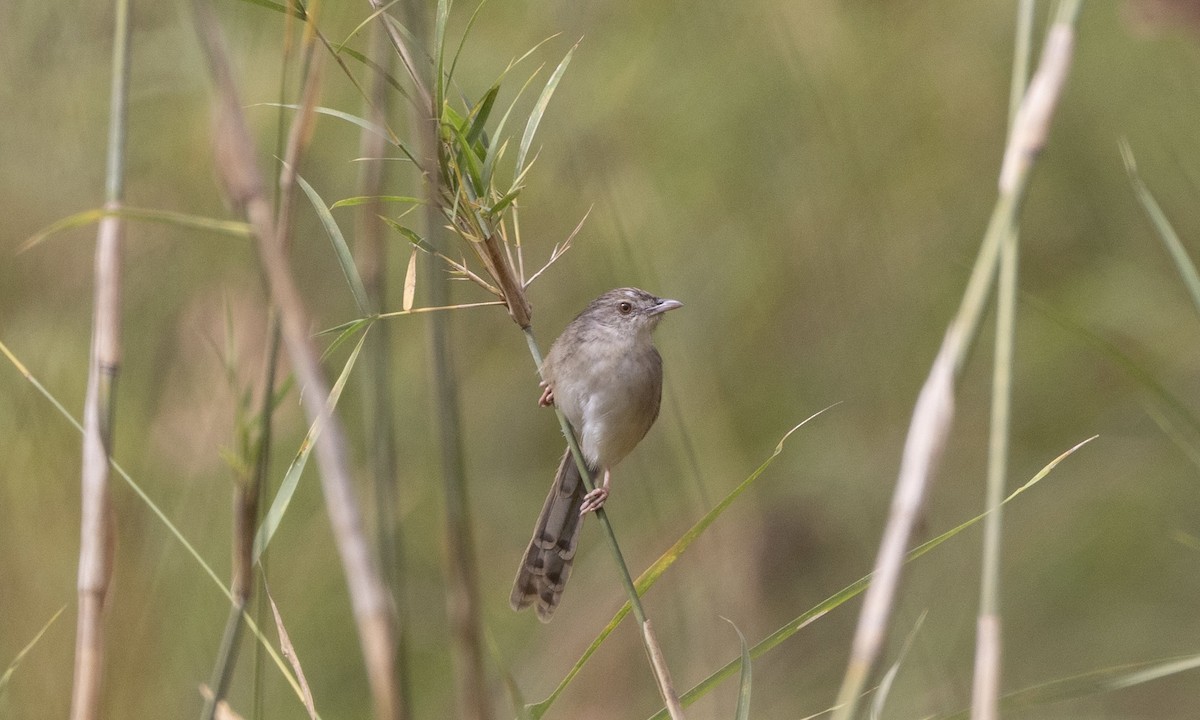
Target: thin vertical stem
[[96, 526], [371, 255], [985, 700], [934, 410], [460, 568], [243, 182]]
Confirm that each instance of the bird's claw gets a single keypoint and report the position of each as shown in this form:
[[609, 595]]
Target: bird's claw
[[593, 501], [547, 398]]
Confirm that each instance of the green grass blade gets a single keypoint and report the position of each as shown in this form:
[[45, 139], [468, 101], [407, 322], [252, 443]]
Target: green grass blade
[[288, 9], [648, 578], [496, 147], [439, 52], [743, 703], [1183, 263], [463, 40], [480, 114], [539, 109], [231, 228], [850, 591], [365, 199], [339, 114], [345, 258], [885, 685], [291, 478], [347, 331], [391, 79], [12, 667], [342, 45], [1090, 683]]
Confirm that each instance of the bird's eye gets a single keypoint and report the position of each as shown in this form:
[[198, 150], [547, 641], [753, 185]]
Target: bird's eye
[[625, 308]]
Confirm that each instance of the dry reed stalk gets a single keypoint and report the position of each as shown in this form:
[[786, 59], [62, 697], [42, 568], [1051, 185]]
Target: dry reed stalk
[[372, 259], [97, 535], [243, 182], [934, 410]]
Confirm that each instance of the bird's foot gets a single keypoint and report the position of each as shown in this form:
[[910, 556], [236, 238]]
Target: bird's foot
[[547, 398], [593, 501]]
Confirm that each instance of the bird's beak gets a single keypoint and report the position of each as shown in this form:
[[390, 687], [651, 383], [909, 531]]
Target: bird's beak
[[663, 306]]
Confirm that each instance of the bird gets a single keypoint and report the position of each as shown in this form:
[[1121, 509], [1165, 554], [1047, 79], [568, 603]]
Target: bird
[[605, 376]]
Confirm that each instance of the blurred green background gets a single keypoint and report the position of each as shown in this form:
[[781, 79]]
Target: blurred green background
[[811, 179]]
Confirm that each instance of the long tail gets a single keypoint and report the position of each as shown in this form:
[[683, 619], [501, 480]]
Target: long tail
[[547, 563]]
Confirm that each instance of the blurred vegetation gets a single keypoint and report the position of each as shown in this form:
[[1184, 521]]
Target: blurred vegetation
[[811, 179]]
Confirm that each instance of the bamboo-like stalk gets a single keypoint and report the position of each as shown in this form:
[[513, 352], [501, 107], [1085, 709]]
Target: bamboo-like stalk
[[460, 568], [371, 255], [96, 532], [235, 155], [985, 695], [247, 488], [934, 410]]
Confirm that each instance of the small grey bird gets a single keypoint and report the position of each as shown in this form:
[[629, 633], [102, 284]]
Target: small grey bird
[[605, 375]]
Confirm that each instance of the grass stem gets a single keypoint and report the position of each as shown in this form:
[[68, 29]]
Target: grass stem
[[96, 522]]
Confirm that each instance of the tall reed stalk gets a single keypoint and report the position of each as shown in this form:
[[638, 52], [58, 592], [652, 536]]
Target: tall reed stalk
[[372, 260], [934, 410], [97, 534], [985, 696], [243, 183]]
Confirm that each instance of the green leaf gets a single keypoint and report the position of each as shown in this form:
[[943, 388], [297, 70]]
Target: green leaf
[[539, 109], [408, 233], [365, 199], [345, 258], [463, 40], [231, 228], [439, 50], [480, 113], [1183, 263], [342, 45], [851, 591], [352, 119], [291, 479], [391, 80], [288, 9]]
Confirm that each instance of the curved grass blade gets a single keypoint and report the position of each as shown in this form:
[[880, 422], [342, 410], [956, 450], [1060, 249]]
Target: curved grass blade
[[345, 258], [291, 478], [463, 40], [852, 590], [539, 109], [158, 512], [12, 667], [1091, 683], [391, 80], [885, 685], [743, 704], [652, 573], [231, 228], [341, 115], [439, 51], [279, 8], [364, 199], [342, 45], [1183, 263]]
